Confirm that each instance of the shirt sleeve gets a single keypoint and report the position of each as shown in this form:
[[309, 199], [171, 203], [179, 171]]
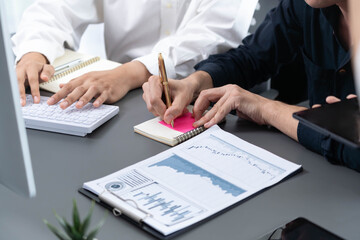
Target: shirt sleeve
[[208, 27], [331, 149], [47, 26], [274, 44]]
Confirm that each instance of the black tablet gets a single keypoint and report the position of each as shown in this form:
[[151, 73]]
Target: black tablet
[[340, 120]]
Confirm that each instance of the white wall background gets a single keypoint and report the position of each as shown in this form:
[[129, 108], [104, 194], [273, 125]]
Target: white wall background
[[90, 42]]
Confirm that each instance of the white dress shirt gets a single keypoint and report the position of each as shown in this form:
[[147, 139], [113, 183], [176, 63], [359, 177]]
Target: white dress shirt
[[184, 31]]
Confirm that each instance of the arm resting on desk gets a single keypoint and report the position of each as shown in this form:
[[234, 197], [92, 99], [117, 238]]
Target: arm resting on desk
[[332, 150]]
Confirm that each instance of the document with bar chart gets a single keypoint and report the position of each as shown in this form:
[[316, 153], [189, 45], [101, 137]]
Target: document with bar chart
[[191, 182]]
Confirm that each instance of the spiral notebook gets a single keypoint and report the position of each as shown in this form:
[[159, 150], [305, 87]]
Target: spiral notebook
[[158, 130], [72, 65]]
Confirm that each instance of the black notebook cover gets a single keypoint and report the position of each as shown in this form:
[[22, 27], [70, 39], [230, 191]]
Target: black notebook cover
[[340, 120]]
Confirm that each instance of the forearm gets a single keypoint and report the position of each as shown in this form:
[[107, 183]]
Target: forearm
[[279, 115], [134, 74], [208, 27]]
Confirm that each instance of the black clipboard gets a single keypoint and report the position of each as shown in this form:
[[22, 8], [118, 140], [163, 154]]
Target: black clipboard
[[143, 226], [150, 230], [340, 120]]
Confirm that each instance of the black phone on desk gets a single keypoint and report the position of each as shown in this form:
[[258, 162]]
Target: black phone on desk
[[300, 229]]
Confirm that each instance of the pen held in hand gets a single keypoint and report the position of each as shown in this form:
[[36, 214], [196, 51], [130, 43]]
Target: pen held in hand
[[165, 83]]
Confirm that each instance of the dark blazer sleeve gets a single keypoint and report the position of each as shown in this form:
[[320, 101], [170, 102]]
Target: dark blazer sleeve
[[274, 43], [331, 149]]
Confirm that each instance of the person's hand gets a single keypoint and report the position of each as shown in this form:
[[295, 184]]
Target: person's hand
[[229, 97], [106, 86], [182, 94], [332, 99], [103, 85], [32, 68]]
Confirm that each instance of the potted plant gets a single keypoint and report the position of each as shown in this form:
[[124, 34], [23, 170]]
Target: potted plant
[[79, 229]]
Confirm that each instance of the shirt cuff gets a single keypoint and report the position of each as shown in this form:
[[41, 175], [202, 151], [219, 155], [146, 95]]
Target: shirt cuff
[[214, 70], [152, 64], [333, 151], [48, 50], [320, 143]]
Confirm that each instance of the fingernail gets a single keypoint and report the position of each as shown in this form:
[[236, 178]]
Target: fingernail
[[195, 124], [169, 118], [80, 103], [22, 102], [51, 101], [36, 99], [96, 103], [64, 104]]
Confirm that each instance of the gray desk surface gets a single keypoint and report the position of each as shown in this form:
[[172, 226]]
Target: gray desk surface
[[326, 194]]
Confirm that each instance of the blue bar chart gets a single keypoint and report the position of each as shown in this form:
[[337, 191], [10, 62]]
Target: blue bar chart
[[166, 206]]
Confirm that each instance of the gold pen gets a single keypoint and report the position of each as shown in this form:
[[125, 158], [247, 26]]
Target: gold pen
[[165, 83]]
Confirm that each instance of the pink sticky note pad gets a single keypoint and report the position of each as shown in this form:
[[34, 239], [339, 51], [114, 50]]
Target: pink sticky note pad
[[182, 124]]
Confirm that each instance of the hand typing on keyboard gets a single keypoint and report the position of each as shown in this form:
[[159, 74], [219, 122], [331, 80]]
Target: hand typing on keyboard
[[69, 121]]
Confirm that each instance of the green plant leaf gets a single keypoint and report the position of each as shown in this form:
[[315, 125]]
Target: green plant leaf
[[57, 233], [76, 218], [76, 236], [86, 223], [93, 233], [64, 224]]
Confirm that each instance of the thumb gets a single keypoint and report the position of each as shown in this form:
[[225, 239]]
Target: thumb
[[47, 72], [177, 108]]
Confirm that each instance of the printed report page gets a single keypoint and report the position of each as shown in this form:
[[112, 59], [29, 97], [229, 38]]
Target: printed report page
[[193, 180]]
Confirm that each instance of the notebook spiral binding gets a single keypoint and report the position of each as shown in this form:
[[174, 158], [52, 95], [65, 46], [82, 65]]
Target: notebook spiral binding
[[72, 69], [189, 134]]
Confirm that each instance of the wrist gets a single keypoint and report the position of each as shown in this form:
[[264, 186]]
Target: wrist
[[269, 110], [280, 116], [34, 57], [199, 81], [132, 74]]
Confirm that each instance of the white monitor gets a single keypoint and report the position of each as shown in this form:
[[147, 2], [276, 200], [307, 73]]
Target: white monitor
[[15, 165]]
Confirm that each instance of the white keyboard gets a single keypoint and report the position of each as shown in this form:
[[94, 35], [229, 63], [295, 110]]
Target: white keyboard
[[71, 121]]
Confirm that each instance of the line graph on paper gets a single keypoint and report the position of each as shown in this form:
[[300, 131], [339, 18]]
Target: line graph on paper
[[191, 180], [228, 158], [164, 205]]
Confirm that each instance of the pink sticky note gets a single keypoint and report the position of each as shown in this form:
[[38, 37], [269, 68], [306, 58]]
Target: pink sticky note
[[182, 124]]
